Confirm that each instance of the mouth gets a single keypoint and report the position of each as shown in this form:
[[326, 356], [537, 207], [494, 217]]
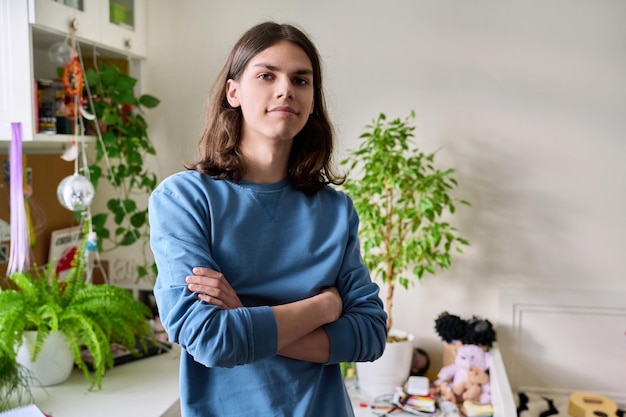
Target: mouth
[[283, 109]]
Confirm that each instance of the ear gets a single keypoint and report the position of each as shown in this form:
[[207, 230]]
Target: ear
[[312, 106], [232, 93]]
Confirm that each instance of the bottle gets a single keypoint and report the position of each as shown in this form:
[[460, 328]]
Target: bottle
[[351, 381]]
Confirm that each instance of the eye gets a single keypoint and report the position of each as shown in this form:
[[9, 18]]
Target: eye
[[300, 81], [264, 76]]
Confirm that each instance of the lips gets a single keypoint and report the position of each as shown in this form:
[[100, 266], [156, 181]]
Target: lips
[[283, 109]]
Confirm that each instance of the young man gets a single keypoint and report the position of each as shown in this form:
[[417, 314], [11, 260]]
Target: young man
[[260, 279]]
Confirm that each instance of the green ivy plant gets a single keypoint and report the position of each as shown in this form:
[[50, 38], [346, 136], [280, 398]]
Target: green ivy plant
[[404, 203], [90, 316], [120, 159]]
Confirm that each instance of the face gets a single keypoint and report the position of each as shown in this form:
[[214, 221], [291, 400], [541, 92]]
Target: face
[[275, 93]]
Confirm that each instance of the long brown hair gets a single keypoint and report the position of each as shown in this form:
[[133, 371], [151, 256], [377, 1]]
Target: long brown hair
[[309, 168]]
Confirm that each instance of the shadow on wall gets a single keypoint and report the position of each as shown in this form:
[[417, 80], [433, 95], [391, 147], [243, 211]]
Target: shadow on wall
[[520, 231]]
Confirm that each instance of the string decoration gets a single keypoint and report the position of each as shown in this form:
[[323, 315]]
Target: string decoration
[[75, 192]]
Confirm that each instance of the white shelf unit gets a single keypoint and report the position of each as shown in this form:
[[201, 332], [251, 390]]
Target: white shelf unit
[[28, 29]]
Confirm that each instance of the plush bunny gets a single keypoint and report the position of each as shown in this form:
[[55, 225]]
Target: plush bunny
[[457, 373], [467, 356]]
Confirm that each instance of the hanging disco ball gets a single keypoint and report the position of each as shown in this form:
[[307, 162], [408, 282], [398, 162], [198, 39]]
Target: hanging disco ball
[[60, 53], [75, 192]]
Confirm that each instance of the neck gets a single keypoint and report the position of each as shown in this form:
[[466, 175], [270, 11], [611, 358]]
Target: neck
[[265, 162]]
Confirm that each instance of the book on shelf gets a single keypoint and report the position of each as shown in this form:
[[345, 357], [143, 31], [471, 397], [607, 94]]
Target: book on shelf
[[46, 106]]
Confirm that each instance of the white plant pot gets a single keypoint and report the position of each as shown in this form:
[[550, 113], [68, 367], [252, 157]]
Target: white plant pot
[[54, 363], [389, 371]]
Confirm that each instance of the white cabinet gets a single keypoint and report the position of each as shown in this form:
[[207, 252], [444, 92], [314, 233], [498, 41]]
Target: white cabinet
[[16, 82], [110, 29], [124, 26], [118, 25], [58, 17]]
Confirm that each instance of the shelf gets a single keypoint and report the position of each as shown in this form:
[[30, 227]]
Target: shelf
[[29, 28], [46, 144]]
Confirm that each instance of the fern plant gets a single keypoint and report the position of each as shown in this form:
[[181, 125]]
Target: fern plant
[[91, 316], [13, 379]]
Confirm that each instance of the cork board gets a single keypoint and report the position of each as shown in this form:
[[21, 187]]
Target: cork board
[[47, 214]]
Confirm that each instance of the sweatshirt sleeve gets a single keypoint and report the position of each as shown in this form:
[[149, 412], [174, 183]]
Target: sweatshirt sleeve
[[179, 239], [361, 333]]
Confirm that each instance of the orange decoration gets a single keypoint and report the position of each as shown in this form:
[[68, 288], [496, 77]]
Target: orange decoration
[[73, 78]]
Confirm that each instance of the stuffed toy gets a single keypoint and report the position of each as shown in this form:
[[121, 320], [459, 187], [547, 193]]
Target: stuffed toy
[[450, 328], [479, 332], [467, 376], [476, 331], [452, 380], [467, 356], [475, 388]]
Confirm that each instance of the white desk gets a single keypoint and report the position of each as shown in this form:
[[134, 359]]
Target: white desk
[[501, 395], [146, 387], [149, 388]]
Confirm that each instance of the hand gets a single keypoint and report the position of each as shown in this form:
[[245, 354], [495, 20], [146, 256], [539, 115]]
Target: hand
[[213, 288]]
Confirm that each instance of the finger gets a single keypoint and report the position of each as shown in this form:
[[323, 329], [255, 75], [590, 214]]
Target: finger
[[203, 280], [208, 276], [212, 300], [214, 293], [227, 303], [198, 270]]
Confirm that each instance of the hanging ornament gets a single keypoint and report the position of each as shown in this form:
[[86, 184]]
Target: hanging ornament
[[92, 241], [70, 153], [60, 53], [75, 192], [72, 80]]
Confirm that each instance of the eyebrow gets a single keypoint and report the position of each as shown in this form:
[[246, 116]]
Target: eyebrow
[[303, 71]]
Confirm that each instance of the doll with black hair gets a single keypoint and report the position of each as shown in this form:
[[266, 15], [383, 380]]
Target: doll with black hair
[[450, 328], [479, 332], [475, 331]]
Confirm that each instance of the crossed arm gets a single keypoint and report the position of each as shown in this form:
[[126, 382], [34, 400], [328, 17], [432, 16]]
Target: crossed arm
[[300, 332]]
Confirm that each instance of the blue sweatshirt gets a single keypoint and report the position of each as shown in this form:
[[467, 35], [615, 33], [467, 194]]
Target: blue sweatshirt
[[275, 245]]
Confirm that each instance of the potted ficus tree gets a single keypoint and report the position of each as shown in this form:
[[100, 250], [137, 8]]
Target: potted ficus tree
[[404, 202], [37, 308]]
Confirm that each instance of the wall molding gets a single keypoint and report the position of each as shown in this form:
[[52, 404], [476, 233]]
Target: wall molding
[[562, 341]]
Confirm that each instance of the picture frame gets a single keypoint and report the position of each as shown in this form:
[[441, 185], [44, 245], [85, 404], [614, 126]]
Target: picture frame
[[63, 246]]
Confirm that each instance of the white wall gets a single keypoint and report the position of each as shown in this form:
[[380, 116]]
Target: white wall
[[526, 98]]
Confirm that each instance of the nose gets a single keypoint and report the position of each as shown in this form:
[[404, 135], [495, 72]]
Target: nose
[[284, 88]]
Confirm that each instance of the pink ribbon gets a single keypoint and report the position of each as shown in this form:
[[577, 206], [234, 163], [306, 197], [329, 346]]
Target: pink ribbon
[[20, 249]]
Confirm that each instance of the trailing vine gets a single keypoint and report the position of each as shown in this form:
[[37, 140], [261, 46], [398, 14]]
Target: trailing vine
[[121, 153]]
